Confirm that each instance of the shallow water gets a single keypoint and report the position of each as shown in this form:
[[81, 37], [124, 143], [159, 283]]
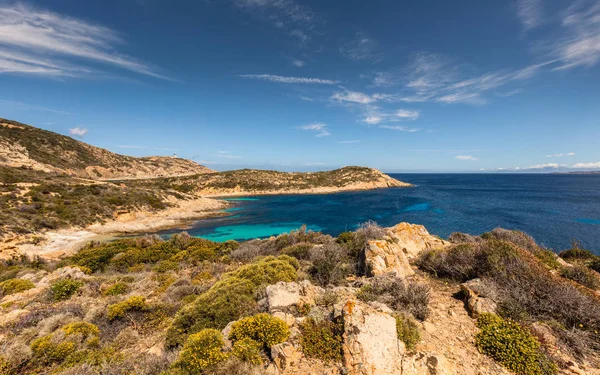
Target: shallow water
[[554, 209]]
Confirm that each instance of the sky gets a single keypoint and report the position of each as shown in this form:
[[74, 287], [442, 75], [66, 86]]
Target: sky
[[403, 86]]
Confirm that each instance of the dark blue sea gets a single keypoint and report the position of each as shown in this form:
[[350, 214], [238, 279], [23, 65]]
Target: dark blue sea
[[554, 209]]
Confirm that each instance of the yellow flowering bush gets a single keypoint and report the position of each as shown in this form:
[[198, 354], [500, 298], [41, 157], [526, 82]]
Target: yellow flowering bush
[[85, 329], [116, 289], [512, 346], [13, 286], [46, 350], [201, 350], [322, 339], [262, 328], [247, 350], [118, 310]]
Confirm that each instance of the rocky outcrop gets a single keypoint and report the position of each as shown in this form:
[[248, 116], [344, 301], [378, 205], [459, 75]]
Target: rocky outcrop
[[384, 256], [285, 295], [371, 345], [413, 239], [479, 297]]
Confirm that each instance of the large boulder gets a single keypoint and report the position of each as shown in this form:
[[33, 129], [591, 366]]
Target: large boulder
[[413, 239], [283, 295], [479, 297], [385, 256], [371, 345]]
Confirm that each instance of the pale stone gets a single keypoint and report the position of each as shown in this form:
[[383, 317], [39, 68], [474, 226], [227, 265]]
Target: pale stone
[[478, 297], [370, 344], [425, 363], [283, 295], [413, 239], [385, 256], [289, 319]]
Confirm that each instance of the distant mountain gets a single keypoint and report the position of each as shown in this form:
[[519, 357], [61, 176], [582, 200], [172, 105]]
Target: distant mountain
[[27, 146]]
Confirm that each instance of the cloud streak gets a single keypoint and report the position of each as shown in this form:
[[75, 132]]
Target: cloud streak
[[318, 128], [283, 79], [529, 13], [39, 42], [361, 48], [466, 157]]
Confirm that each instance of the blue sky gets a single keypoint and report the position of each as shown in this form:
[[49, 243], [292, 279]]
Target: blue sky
[[307, 85]]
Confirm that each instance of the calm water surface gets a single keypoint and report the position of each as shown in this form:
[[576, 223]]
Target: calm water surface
[[554, 209]]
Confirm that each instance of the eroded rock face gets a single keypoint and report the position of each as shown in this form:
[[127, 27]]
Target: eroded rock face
[[413, 239], [283, 295], [479, 297], [425, 363], [371, 344], [384, 256]]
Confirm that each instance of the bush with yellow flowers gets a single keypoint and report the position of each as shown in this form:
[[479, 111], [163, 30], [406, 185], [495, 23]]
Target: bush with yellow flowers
[[201, 350], [118, 310], [13, 286], [262, 328], [247, 350], [84, 329], [512, 346], [47, 351], [322, 339]]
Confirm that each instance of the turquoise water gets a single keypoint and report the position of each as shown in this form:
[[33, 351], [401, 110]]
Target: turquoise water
[[233, 232], [554, 209]]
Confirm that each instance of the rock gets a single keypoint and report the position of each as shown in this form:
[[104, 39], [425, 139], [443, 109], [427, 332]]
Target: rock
[[62, 273], [289, 319], [413, 239], [285, 355], [479, 297], [385, 256], [425, 363], [370, 342], [225, 332], [288, 359], [283, 295]]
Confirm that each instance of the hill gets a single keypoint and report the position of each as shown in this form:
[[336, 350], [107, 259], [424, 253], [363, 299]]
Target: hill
[[42, 150]]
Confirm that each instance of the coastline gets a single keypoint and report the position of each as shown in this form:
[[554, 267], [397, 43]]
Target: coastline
[[58, 243]]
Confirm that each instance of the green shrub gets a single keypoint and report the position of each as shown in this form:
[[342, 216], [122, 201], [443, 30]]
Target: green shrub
[[398, 294], [331, 264], [576, 253], [5, 367], [298, 251], [230, 298], [512, 346], [63, 289], [83, 328], [118, 310], [407, 331], [582, 275], [47, 351], [116, 289], [247, 350], [166, 265], [201, 350], [262, 328], [13, 286], [322, 340]]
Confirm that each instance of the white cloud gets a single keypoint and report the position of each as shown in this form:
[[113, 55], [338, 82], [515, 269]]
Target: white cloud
[[546, 166], [361, 48], [529, 13], [348, 142], [587, 165], [282, 79], [36, 41], [360, 97], [307, 99], [298, 63], [281, 11], [383, 79], [318, 128], [579, 45], [560, 155], [373, 120], [404, 114], [400, 128], [466, 157], [78, 131]]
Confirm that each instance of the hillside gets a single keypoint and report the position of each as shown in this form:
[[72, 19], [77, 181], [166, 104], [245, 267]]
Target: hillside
[[254, 182], [370, 302], [27, 146]]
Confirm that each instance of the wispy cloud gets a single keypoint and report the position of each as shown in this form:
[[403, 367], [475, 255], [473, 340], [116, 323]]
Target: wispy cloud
[[466, 157], [376, 116], [228, 155], [579, 45], [400, 128], [587, 165], [560, 155], [20, 105], [529, 13], [360, 97], [35, 41], [318, 128], [283, 79], [78, 131], [361, 48], [348, 142], [298, 63]]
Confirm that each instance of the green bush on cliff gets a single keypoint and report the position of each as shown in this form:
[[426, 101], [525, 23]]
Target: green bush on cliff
[[512, 346], [322, 339], [262, 328], [13, 286], [201, 350], [63, 289], [118, 310], [407, 331], [230, 298], [582, 275]]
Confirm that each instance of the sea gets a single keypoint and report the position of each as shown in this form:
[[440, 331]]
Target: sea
[[555, 209]]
